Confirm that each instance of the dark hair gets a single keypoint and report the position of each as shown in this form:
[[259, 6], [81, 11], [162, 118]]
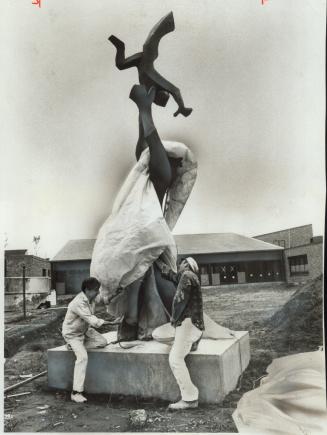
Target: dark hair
[[90, 284]]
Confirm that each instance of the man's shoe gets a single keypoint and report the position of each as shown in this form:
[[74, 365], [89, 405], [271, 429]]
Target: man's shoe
[[78, 398], [182, 404]]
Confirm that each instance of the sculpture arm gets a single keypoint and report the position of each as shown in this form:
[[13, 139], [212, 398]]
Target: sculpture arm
[[122, 62], [172, 89]]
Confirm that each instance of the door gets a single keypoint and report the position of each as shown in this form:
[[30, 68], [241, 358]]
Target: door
[[228, 274], [204, 274]]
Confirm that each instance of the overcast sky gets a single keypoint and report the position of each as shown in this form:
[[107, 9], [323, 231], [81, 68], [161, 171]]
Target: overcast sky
[[253, 74]]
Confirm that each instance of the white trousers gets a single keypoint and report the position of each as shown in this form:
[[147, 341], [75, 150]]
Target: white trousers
[[79, 345], [185, 335]]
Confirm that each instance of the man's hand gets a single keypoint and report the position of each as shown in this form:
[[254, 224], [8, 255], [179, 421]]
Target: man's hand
[[113, 322], [165, 269]]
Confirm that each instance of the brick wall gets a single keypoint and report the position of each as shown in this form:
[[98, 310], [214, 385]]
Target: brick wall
[[292, 237], [315, 262], [34, 266], [13, 262]]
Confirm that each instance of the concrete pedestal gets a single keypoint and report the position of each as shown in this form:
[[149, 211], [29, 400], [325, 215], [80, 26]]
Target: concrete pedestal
[[144, 369]]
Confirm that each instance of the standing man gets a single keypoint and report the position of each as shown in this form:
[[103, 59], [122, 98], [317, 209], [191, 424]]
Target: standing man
[[187, 318], [79, 334]]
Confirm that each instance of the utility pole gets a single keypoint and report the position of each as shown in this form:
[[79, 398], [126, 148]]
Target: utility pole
[[24, 291], [36, 241]]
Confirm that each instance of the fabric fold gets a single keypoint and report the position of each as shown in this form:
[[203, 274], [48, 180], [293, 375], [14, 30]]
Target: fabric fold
[[137, 233], [291, 399]]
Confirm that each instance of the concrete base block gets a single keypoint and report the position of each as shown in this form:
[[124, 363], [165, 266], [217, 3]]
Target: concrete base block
[[144, 369]]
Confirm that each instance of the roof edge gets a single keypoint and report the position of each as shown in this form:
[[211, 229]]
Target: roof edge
[[235, 252], [74, 259], [279, 231]]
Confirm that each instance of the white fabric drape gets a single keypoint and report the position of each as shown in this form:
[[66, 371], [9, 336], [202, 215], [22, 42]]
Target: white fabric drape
[[136, 233], [166, 333], [290, 400]]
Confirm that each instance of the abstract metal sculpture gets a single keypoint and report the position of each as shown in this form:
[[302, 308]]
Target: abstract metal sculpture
[[153, 87]]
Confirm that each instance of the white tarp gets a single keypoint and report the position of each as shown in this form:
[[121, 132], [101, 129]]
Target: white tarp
[[166, 332], [136, 233], [291, 399]]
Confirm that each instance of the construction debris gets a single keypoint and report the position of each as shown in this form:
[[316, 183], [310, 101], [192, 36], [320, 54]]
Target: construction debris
[[18, 394], [42, 412], [137, 417], [12, 387], [58, 422], [43, 407]]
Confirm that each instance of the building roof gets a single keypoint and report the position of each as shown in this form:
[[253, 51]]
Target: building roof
[[22, 252], [82, 249], [220, 242], [15, 251]]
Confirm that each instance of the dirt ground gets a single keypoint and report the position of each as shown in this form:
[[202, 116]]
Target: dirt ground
[[263, 310]]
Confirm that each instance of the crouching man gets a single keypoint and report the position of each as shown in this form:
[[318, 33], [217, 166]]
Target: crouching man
[[79, 334], [187, 318]]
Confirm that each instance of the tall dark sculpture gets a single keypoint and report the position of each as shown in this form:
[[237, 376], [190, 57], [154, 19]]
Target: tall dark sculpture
[[135, 244], [136, 240], [153, 84]]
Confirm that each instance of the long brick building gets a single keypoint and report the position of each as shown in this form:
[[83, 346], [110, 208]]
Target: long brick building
[[302, 251], [292, 255]]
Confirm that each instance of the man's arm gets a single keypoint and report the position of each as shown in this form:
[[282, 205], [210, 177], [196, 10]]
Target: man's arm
[[83, 311], [169, 274], [181, 298]]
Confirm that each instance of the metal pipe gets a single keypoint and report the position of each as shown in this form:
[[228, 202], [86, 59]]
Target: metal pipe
[[24, 291], [12, 387]]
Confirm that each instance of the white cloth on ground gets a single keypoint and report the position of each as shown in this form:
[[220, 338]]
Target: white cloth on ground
[[185, 335], [79, 317], [136, 233], [291, 399], [166, 332]]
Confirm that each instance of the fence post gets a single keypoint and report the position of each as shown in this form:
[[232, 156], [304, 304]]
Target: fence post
[[24, 291]]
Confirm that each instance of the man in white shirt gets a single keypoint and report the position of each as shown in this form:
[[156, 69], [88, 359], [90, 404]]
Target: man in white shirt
[[79, 333]]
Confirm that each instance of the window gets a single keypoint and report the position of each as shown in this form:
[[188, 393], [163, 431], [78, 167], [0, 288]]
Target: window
[[44, 272], [280, 243], [204, 274], [298, 265]]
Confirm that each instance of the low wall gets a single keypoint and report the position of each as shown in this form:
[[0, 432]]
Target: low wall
[[36, 289]]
